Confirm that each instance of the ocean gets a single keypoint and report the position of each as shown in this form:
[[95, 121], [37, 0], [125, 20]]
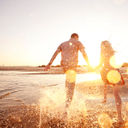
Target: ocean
[[18, 87]]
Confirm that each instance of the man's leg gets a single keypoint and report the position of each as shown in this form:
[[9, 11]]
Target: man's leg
[[69, 92], [70, 85], [118, 103]]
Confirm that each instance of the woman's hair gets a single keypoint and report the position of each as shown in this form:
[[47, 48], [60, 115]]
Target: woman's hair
[[106, 48]]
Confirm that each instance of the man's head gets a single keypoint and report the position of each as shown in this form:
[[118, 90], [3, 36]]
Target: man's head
[[75, 36]]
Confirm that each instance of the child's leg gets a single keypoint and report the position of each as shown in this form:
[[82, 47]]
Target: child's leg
[[118, 102]]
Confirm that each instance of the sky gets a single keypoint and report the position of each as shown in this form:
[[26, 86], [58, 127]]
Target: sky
[[31, 30]]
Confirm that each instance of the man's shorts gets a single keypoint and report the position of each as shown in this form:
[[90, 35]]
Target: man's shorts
[[66, 68]]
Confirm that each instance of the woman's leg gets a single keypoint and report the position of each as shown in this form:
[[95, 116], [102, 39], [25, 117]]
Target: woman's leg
[[118, 102], [105, 93], [104, 78]]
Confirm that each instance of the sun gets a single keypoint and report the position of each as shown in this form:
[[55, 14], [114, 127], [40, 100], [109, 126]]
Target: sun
[[93, 56]]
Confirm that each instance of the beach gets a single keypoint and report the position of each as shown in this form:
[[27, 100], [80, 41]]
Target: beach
[[36, 100], [57, 57]]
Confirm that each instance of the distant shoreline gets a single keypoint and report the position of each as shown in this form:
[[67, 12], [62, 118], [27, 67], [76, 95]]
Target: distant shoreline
[[53, 69]]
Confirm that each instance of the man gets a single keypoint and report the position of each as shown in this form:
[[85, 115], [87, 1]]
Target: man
[[69, 60]]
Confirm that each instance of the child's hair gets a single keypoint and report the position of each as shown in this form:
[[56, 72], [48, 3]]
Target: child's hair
[[107, 49]]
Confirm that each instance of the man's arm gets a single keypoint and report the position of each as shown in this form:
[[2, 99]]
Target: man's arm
[[85, 56], [53, 57], [81, 48]]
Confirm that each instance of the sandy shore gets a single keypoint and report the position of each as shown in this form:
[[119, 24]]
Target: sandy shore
[[29, 117]]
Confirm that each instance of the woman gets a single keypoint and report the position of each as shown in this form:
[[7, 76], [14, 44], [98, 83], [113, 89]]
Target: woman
[[106, 53]]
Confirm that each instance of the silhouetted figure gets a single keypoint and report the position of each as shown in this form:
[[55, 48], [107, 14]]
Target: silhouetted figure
[[106, 53], [69, 60]]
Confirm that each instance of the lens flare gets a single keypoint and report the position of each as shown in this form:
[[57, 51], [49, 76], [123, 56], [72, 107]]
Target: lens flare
[[70, 44], [104, 121], [113, 76], [114, 63], [71, 76]]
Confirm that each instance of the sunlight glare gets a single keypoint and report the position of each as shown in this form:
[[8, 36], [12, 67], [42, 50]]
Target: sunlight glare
[[94, 60], [92, 76]]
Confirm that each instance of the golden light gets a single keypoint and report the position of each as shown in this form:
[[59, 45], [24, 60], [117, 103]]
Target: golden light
[[94, 59], [114, 62], [113, 76], [104, 121], [92, 76], [71, 76]]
